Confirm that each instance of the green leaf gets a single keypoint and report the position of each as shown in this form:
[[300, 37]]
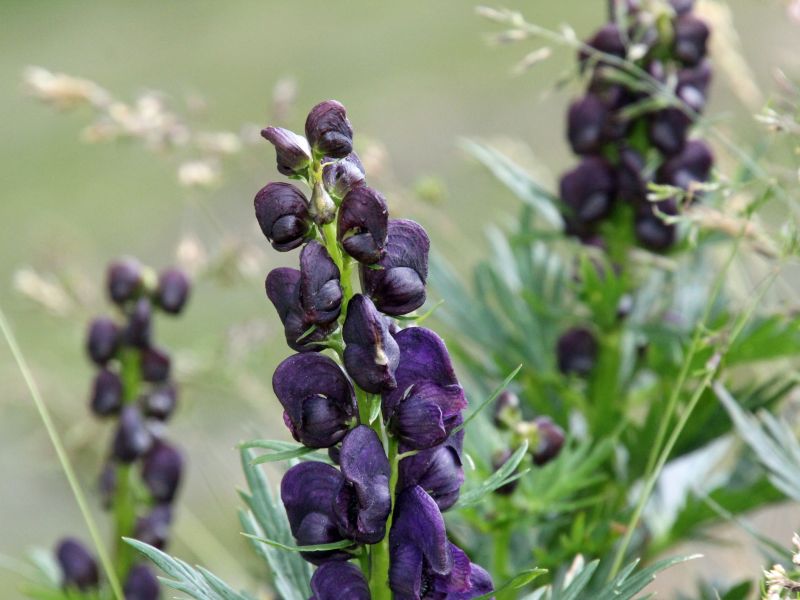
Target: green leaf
[[285, 455], [281, 450], [316, 548], [496, 480], [518, 581], [498, 390]]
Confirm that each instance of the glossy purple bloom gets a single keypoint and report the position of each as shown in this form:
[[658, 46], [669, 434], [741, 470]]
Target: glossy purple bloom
[[320, 288], [132, 438], [427, 403], [161, 471], [608, 40], [173, 290], [588, 190], [282, 213], [338, 580], [342, 175], [153, 528], [308, 492], [155, 365], [651, 230], [691, 38], [576, 351], [329, 131], [550, 442], [106, 398], [102, 340], [692, 165], [363, 502], [160, 402], [78, 566], [363, 224], [424, 565], [631, 178], [438, 471], [667, 130], [693, 85], [397, 284], [283, 290], [141, 584], [293, 152], [318, 400], [586, 124], [371, 354], [139, 326], [124, 280]]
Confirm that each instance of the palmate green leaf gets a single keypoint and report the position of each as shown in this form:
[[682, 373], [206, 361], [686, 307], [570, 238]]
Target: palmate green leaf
[[498, 479], [195, 582]]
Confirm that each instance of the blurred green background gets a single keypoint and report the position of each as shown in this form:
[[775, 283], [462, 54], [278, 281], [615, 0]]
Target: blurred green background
[[414, 75]]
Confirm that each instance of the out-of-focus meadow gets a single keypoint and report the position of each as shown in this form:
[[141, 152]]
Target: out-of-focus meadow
[[415, 76]]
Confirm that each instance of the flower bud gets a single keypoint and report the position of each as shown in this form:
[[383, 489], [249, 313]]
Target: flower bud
[[397, 285], [78, 566], [106, 398], [322, 207], [103, 340], [651, 230], [693, 165], [328, 130], [292, 151], [320, 288], [588, 190], [172, 291], [667, 130], [107, 485], [343, 175], [691, 38], [498, 460], [438, 470], [141, 584], [124, 280], [282, 214], [576, 351], [506, 410], [586, 123], [318, 400], [337, 580], [137, 331], [693, 85], [161, 471], [371, 354], [155, 365], [550, 441], [153, 529], [132, 438], [607, 40], [283, 290], [363, 224], [160, 402]]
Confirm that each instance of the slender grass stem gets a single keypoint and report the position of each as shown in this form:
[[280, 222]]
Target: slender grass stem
[[63, 458]]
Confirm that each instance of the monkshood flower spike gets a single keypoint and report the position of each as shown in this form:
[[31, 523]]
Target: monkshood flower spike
[[377, 392]]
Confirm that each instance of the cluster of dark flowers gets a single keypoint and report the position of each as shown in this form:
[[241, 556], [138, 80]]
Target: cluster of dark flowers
[[384, 400], [133, 387], [626, 135]]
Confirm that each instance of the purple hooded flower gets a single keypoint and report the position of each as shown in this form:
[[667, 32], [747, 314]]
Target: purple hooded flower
[[308, 492], [607, 40], [667, 130], [160, 402], [363, 224], [631, 178], [318, 400], [692, 165], [550, 441], [691, 38], [427, 403], [337, 580], [140, 320], [693, 85], [161, 471], [132, 438], [576, 351], [424, 565], [283, 290], [155, 365], [106, 396], [586, 124], [282, 214], [651, 230], [78, 566], [363, 502], [371, 354], [588, 190], [172, 291], [320, 288], [341, 176], [397, 284], [141, 584], [102, 341], [124, 280], [292, 151], [153, 528], [438, 471], [329, 131]]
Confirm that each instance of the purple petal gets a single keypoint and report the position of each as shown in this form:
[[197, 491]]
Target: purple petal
[[161, 471], [292, 151], [339, 580], [320, 290], [363, 224], [427, 414], [343, 175], [438, 471], [371, 354], [588, 190], [283, 290], [328, 130], [282, 213]]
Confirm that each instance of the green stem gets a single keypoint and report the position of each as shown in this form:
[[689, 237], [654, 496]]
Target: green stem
[[502, 541]]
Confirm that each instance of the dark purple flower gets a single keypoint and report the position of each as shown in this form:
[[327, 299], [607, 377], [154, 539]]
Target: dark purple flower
[[363, 502], [588, 190], [691, 38], [106, 394], [498, 460], [124, 279], [292, 151], [328, 130], [427, 403], [282, 213], [363, 224], [693, 85], [320, 288], [102, 341], [160, 402], [631, 178], [607, 40], [338, 580], [438, 471], [576, 351], [550, 441], [371, 354], [667, 130], [139, 326], [153, 528], [342, 175], [397, 284], [155, 365], [78, 566], [506, 409], [651, 229], [172, 291], [283, 290], [141, 584], [308, 491], [318, 400], [107, 485], [132, 438], [161, 471], [586, 124], [682, 7], [692, 165]]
